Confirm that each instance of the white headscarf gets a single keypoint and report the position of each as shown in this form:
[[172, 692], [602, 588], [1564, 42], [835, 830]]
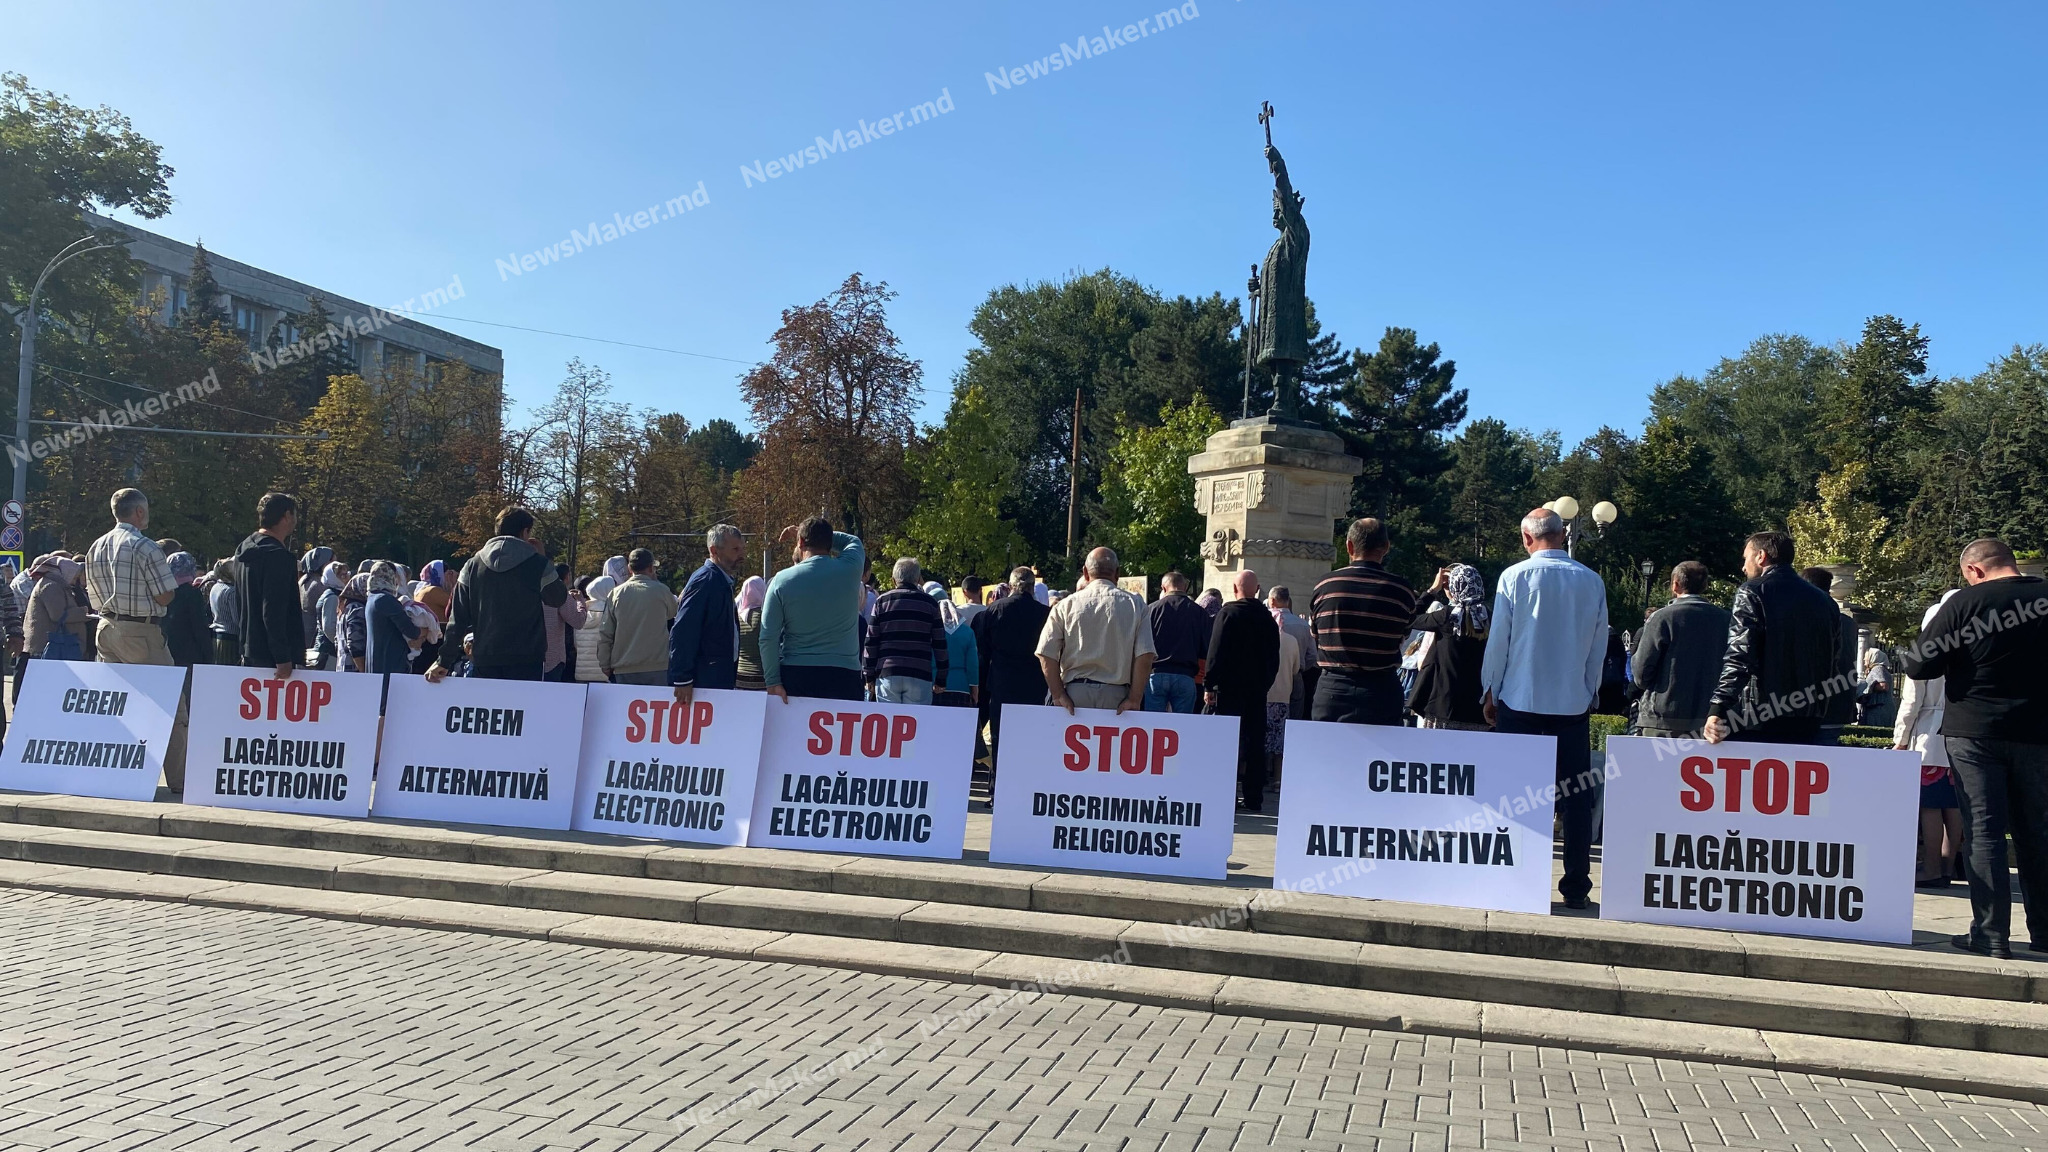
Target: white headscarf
[[616, 569], [753, 594]]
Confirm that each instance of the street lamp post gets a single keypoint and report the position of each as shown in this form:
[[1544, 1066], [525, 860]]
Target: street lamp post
[[1649, 575], [27, 319], [1567, 509]]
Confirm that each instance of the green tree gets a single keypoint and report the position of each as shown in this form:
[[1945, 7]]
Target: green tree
[[1124, 349], [1149, 498], [1488, 490], [57, 162], [1754, 416], [959, 527], [1673, 505]]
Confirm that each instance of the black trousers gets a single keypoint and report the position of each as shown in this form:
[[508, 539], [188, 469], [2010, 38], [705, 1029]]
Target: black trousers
[[1782, 730], [820, 682], [1250, 711], [1348, 697], [1579, 788], [2003, 787], [522, 671]]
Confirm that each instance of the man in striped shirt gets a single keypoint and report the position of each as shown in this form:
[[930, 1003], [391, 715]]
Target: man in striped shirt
[[1360, 614], [906, 647]]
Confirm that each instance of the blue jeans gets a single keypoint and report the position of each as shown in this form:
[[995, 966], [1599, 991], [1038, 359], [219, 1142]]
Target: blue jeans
[[1172, 692], [903, 690]]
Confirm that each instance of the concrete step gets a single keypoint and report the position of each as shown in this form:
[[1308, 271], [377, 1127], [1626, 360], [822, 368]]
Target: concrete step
[[2018, 1077], [1055, 938], [978, 884]]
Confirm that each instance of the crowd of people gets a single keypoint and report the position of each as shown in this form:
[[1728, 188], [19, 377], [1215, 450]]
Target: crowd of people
[[1535, 656]]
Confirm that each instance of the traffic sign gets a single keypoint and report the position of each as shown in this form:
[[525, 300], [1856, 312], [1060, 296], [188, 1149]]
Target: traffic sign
[[10, 537], [11, 512]]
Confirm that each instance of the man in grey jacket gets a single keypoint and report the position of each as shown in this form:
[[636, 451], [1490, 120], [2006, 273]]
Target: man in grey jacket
[[1678, 659]]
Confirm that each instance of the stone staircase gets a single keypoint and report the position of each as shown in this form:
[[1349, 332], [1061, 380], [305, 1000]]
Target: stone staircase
[[1946, 1022]]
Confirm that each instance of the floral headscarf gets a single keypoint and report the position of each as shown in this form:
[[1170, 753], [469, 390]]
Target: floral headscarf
[[384, 577], [357, 590], [1465, 588], [184, 566], [434, 573]]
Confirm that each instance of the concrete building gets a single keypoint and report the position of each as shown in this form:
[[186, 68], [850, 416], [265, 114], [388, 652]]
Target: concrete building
[[375, 337]]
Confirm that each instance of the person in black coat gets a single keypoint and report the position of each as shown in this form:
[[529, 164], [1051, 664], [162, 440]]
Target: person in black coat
[[1244, 657], [1782, 643], [187, 622], [1678, 659], [1007, 637], [267, 582], [1456, 611]]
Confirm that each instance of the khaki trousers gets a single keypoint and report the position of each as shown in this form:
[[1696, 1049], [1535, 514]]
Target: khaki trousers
[[1097, 695], [128, 642]]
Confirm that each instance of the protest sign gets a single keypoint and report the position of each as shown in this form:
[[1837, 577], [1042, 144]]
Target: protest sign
[[653, 767], [1429, 815], [1788, 838], [872, 779], [1151, 792], [480, 751], [304, 744], [88, 729]]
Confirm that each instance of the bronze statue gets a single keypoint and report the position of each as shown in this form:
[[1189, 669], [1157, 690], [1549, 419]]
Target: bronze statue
[[1283, 302]]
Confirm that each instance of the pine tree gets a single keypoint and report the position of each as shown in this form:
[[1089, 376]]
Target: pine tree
[[202, 295], [1393, 413]]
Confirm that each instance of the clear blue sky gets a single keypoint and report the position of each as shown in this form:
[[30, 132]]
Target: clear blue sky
[[1576, 200]]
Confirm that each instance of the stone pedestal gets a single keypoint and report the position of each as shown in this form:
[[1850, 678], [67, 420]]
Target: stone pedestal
[[1273, 493]]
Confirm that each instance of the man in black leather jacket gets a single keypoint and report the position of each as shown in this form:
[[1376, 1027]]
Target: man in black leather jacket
[[1780, 668]]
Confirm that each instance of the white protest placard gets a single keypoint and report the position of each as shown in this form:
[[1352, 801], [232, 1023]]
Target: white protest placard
[[90, 729], [1787, 838], [652, 767], [472, 751], [305, 744], [1427, 815], [1151, 792], [869, 779]]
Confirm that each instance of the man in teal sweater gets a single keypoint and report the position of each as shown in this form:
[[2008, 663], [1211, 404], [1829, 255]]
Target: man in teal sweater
[[809, 646]]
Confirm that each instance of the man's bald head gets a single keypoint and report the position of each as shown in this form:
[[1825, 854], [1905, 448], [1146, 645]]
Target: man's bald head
[[1246, 585], [1101, 565]]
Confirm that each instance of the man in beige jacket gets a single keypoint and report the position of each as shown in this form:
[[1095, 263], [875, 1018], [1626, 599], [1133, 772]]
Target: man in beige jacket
[[632, 643]]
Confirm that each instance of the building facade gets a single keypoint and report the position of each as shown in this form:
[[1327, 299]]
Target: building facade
[[263, 304]]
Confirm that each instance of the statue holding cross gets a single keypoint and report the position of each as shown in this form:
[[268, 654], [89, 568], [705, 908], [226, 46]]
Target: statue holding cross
[[1283, 303]]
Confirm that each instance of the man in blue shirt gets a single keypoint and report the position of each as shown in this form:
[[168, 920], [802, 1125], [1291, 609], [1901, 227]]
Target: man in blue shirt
[[809, 643], [1542, 673]]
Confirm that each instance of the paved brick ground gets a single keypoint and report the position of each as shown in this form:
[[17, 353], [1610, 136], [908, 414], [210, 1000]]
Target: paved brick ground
[[128, 1024]]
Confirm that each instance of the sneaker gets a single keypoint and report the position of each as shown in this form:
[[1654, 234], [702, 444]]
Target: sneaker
[[1998, 951]]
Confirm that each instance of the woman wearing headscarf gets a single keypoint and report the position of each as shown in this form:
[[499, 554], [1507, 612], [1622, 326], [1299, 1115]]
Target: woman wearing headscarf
[[327, 615], [187, 621], [227, 615], [962, 688], [423, 618], [355, 599], [55, 624], [1211, 601], [438, 595], [598, 596], [1454, 611], [753, 595], [311, 565], [389, 634]]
